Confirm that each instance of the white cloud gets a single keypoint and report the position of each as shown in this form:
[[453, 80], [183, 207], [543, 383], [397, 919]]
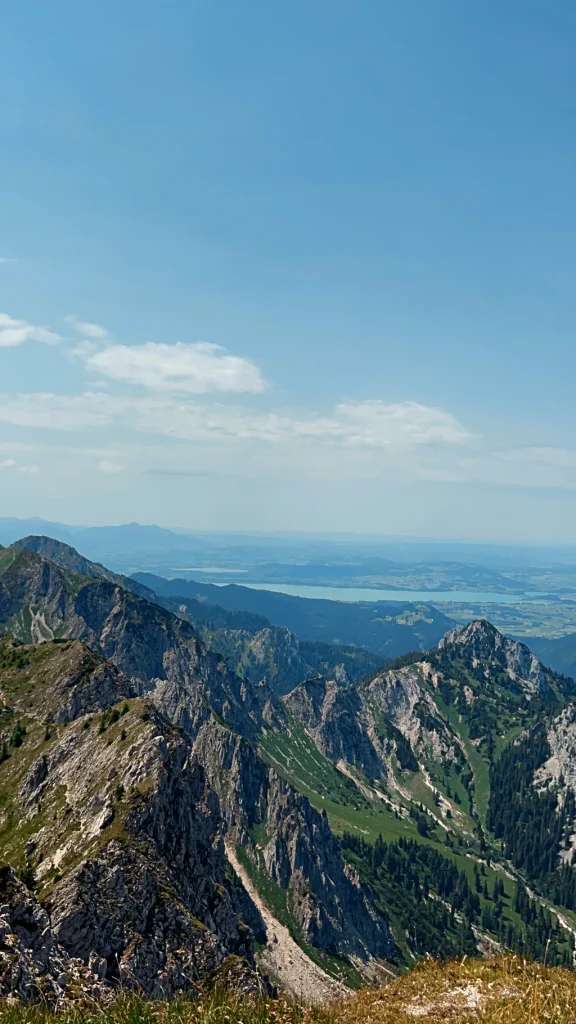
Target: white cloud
[[370, 425], [87, 328], [377, 423], [17, 332], [194, 369], [531, 466], [110, 468], [18, 467], [47, 411]]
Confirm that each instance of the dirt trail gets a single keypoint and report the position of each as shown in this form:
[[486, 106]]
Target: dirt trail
[[282, 957]]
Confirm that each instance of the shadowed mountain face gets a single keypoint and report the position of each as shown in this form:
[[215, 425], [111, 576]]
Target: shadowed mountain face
[[132, 756], [558, 652], [274, 655], [385, 628]]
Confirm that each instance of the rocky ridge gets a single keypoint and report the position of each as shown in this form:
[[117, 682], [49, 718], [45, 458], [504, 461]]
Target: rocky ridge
[[132, 763]]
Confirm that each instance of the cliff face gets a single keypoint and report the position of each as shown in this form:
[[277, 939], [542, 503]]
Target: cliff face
[[560, 766], [391, 721], [293, 844], [326, 900], [335, 717]]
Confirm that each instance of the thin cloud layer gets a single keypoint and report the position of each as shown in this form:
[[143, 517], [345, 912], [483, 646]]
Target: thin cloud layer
[[375, 423], [195, 369], [109, 467], [17, 332], [371, 424], [87, 328], [19, 467]]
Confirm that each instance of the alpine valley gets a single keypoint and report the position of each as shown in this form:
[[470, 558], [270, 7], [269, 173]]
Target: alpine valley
[[189, 790]]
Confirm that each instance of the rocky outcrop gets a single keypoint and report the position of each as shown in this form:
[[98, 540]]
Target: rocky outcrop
[[398, 718], [334, 716], [404, 699], [33, 965], [270, 655], [66, 680], [559, 769], [389, 721]]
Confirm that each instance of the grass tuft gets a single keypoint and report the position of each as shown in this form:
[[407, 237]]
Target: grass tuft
[[498, 991]]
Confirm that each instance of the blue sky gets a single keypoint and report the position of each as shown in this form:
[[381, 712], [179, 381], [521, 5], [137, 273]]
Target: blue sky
[[271, 266]]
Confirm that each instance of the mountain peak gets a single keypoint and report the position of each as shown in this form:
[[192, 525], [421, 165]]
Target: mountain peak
[[486, 650], [69, 559], [481, 643], [479, 631], [46, 546]]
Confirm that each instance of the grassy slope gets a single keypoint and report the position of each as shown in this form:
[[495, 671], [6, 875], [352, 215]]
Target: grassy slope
[[295, 756]]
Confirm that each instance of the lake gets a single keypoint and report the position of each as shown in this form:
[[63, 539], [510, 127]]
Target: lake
[[372, 594]]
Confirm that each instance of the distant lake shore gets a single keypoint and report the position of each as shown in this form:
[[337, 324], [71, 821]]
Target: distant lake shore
[[354, 594]]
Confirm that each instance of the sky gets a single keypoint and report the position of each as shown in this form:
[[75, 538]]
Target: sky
[[306, 266]]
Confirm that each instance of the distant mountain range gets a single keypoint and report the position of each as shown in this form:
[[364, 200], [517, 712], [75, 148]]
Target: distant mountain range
[[186, 788], [312, 560], [99, 541]]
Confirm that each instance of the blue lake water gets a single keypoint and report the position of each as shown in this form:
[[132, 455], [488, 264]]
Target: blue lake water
[[372, 594]]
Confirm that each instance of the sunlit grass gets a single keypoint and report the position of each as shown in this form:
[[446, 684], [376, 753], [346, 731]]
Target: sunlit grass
[[499, 991]]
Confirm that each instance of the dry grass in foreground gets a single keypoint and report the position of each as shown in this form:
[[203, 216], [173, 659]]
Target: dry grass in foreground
[[499, 991]]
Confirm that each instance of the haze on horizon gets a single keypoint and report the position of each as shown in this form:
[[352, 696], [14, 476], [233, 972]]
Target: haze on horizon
[[269, 268]]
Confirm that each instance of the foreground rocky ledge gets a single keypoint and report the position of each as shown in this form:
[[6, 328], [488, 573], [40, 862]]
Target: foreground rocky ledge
[[35, 968], [498, 991]]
